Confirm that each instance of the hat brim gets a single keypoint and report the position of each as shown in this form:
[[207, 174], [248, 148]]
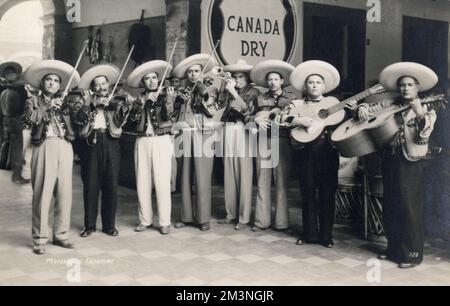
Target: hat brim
[[36, 72], [109, 71], [203, 60], [157, 66], [238, 68], [259, 73], [327, 71], [16, 66], [426, 77]]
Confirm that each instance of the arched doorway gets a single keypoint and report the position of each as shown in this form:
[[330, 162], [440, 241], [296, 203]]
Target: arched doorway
[[56, 29]]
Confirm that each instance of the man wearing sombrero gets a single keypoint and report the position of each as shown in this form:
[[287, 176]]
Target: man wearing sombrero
[[402, 161], [100, 120], [238, 161], [47, 115], [12, 103], [274, 75], [319, 161], [189, 112], [151, 114]]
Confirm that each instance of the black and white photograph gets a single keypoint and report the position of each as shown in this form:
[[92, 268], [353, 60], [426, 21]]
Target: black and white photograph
[[224, 148]]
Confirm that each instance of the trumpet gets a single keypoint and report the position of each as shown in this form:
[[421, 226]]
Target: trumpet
[[220, 72]]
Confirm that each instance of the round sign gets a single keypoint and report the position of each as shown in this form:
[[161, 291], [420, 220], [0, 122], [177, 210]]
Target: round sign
[[253, 30]]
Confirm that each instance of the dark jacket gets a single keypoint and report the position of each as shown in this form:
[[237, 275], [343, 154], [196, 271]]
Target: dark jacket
[[39, 114]]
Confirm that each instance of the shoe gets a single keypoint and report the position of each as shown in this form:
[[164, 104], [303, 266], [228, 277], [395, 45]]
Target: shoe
[[20, 181], [256, 228], [86, 232], [181, 224], [382, 256], [239, 226], [300, 241], [39, 250], [405, 265], [113, 233], [226, 221], [205, 227], [164, 230], [66, 244], [329, 244], [142, 228]]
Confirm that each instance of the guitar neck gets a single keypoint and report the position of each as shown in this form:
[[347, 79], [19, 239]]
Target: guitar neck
[[341, 106]]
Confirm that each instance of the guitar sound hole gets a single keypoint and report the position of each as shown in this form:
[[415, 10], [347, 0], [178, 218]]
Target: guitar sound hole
[[323, 114]]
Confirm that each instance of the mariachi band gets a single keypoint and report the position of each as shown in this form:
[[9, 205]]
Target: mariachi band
[[304, 128]]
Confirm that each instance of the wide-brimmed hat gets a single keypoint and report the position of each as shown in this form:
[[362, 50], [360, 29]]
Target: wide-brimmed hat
[[260, 71], [426, 77], [37, 71], [240, 66], [327, 71], [157, 66], [201, 59], [111, 72], [14, 65]]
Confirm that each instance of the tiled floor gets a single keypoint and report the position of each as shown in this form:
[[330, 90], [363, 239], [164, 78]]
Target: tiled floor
[[187, 256]]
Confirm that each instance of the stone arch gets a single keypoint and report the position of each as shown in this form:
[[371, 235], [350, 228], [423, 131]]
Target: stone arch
[[56, 28]]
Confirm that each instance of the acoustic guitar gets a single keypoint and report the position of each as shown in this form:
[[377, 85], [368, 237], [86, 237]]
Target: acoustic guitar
[[360, 138], [329, 112]]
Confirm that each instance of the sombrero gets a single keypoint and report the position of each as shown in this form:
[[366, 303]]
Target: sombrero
[[426, 77], [14, 65], [260, 71], [327, 71], [197, 59], [240, 66], [157, 66], [109, 71], [36, 72]]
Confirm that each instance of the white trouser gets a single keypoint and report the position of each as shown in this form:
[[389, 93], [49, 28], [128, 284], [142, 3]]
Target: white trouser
[[153, 163], [27, 152]]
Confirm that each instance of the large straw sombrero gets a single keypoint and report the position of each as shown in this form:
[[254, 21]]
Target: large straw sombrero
[[37, 71], [203, 60], [157, 66], [426, 77], [327, 71], [111, 72], [260, 71]]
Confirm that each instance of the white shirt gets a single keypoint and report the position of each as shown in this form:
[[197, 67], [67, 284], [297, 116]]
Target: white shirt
[[100, 120]]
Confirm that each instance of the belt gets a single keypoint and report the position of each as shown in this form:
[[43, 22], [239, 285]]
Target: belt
[[100, 131]]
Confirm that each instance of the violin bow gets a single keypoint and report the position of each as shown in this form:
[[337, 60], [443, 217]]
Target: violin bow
[[66, 90], [121, 73], [167, 68]]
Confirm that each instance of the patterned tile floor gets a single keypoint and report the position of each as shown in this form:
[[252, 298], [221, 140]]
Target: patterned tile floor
[[187, 256]]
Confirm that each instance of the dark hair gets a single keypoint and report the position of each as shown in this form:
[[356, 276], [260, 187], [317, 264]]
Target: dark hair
[[314, 74], [141, 83], [93, 83], [406, 76], [269, 73], [45, 76]]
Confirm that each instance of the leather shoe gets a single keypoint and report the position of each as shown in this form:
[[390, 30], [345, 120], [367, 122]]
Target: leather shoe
[[164, 230], [113, 233], [405, 265], [87, 232], [64, 244], [39, 250], [256, 228], [300, 241], [181, 224], [205, 227], [329, 244], [226, 221], [240, 226], [142, 228], [287, 231], [382, 256], [20, 181]]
